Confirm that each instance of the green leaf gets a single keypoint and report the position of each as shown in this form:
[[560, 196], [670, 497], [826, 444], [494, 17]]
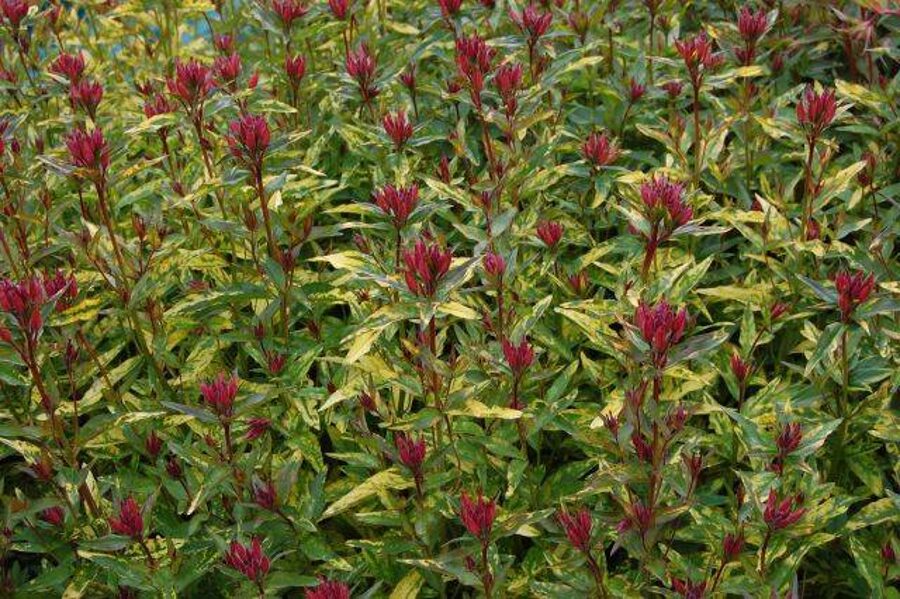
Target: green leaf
[[386, 480]]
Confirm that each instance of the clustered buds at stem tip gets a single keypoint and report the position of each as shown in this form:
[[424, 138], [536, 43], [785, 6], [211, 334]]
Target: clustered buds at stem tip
[[577, 527], [220, 393], [425, 267], [494, 265], [192, 83], [411, 451], [477, 515], [250, 560], [54, 516], [518, 357], [661, 327], [397, 127], [550, 232], [732, 545], [248, 141], [129, 521], [853, 289], [361, 67], [70, 66], [600, 150], [88, 150], [815, 110], [780, 514], [288, 11], [328, 589]]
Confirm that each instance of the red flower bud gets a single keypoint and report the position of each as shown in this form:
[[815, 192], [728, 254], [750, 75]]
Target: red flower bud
[[578, 528], [611, 422], [411, 451], [250, 560], [86, 95], [339, 8], [494, 265], [689, 589], [88, 150], [732, 546], [192, 83], [600, 150], [673, 88], [14, 11], [397, 202], [780, 514], [518, 357], [815, 111], [70, 66], [361, 67], [661, 327], [397, 127], [129, 521], [53, 516], [42, 469], [477, 516], [777, 310], [257, 427], [550, 232], [153, 444], [641, 447], [227, 69], [220, 394], [789, 439], [449, 8], [173, 467], [329, 589], [664, 205], [224, 43], [295, 69], [751, 26], [159, 104], [531, 21], [408, 77], [739, 368], [288, 11], [697, 52], [368, 403], [508, 81], [425, 267], [265, 496], [853, 290], [636, 90], [248, 141]]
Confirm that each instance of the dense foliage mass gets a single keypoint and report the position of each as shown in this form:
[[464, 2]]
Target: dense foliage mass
[[444, 298]]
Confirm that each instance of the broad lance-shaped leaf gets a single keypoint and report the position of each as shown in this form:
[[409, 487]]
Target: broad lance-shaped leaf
[[826, 346], [389, 479], [214, 482], [698, 346], [823, 293], [755, 440], [476, 409], [198, 413], [458, 275], [814, 437], [877, 512], [363, 338], [868, 564], [448, 564], [408, 587], [561, 383]]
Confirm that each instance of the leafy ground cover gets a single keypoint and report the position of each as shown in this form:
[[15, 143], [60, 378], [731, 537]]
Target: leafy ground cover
[[449, 298]]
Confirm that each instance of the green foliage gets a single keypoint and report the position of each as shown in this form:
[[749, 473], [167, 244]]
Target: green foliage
[[653, 326]]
